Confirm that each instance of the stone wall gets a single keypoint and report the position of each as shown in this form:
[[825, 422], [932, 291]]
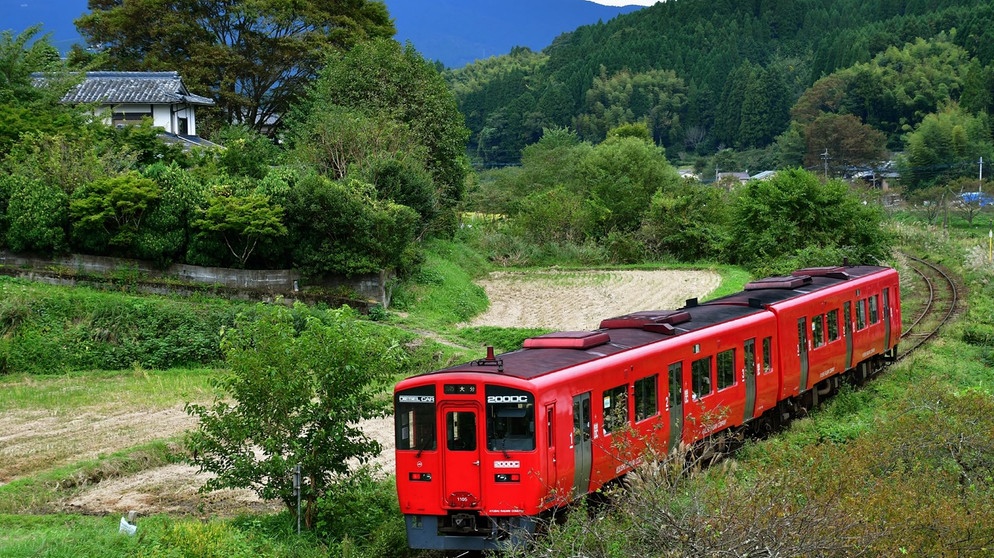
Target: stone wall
[[265, 282]]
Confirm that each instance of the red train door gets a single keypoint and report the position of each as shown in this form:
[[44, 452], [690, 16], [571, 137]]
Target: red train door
[[749, 373], [551, 472], [886, 320], [802, 351], [583, 446], [462, 476], [675, 405], [847, 331]]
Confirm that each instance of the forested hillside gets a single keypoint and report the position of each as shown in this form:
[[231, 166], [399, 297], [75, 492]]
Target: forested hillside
[[706, 75]]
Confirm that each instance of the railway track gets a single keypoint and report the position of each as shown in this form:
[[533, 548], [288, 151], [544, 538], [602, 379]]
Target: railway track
[[937, 310]]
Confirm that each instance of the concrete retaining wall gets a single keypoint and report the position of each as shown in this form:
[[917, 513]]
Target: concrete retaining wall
[[265, 282]]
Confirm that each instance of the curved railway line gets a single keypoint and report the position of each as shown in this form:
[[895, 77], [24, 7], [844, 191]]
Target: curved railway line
[[938, 308]]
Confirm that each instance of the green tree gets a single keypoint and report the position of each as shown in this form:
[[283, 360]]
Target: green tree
[[847, 140], [691, 222], [37, 217], [780, 223], [254, 58], [385, 81], [339, 139], [24, 105], [166, 230], [298, 385], [108, 212], [655, 97], [341, 227], [946, 145], [622, 174], [242, 221]]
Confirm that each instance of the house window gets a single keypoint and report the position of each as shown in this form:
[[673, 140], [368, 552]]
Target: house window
[[128, 118]]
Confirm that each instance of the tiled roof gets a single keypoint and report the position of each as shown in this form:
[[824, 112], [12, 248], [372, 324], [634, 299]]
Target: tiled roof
[[133, 87]]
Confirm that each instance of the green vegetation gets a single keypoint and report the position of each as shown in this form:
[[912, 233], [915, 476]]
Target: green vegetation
[[754, 77], [297, 387]]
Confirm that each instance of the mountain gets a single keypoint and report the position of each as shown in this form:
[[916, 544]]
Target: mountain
[[455, 32]]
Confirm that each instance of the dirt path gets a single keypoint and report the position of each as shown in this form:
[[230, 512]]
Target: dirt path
[[562, 300]]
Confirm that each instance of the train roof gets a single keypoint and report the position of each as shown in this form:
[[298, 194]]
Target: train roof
[[558, 350]]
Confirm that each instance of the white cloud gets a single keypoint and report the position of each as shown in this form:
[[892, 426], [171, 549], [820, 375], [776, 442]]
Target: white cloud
[[625, 2]]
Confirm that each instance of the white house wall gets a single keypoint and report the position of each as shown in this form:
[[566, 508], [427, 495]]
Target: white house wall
[[162, 116]]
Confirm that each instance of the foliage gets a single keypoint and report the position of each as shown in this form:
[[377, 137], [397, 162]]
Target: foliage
[[623, 173], [741, 66], [794, 218], [53, 329], [341, 228], [108, 212], [845, 140], [300, 382], [242, 221], [246, 152], [655, 98], [381, 81], [691, 222], [946, 145], [363, 514], [25, 107], [254, 58], [37, 216]]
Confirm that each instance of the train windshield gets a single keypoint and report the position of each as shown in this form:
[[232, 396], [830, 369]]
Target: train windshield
[[415, 419], [510, 419]]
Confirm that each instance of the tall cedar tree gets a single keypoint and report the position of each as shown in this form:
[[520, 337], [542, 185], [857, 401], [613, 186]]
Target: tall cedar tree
[[253, 57]]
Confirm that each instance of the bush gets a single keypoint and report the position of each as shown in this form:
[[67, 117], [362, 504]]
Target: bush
[[361, 513]]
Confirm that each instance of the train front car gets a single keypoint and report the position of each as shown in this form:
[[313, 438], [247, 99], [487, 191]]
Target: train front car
[[468, 473]]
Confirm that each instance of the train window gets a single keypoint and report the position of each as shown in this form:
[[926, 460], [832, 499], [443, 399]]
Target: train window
[[676, 384], [832, 325], [646, 396], [818, 330], [767, 354], [415, 419], [700, 375], [726, 368], [460, 430], [860, 314], [874, 314], [510, 419], [615, 408]]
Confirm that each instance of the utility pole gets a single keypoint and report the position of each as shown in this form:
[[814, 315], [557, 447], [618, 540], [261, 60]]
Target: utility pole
[[825, 157], [980, 181]]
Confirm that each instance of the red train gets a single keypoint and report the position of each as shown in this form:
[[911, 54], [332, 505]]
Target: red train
[[487, 447]]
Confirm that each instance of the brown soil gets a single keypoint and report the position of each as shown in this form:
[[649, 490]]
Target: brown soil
[[32, 441]]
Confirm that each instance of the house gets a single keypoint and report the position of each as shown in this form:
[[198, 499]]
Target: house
[[123, 98]]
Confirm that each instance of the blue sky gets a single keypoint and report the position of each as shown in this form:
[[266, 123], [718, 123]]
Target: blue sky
[[456, 32]]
